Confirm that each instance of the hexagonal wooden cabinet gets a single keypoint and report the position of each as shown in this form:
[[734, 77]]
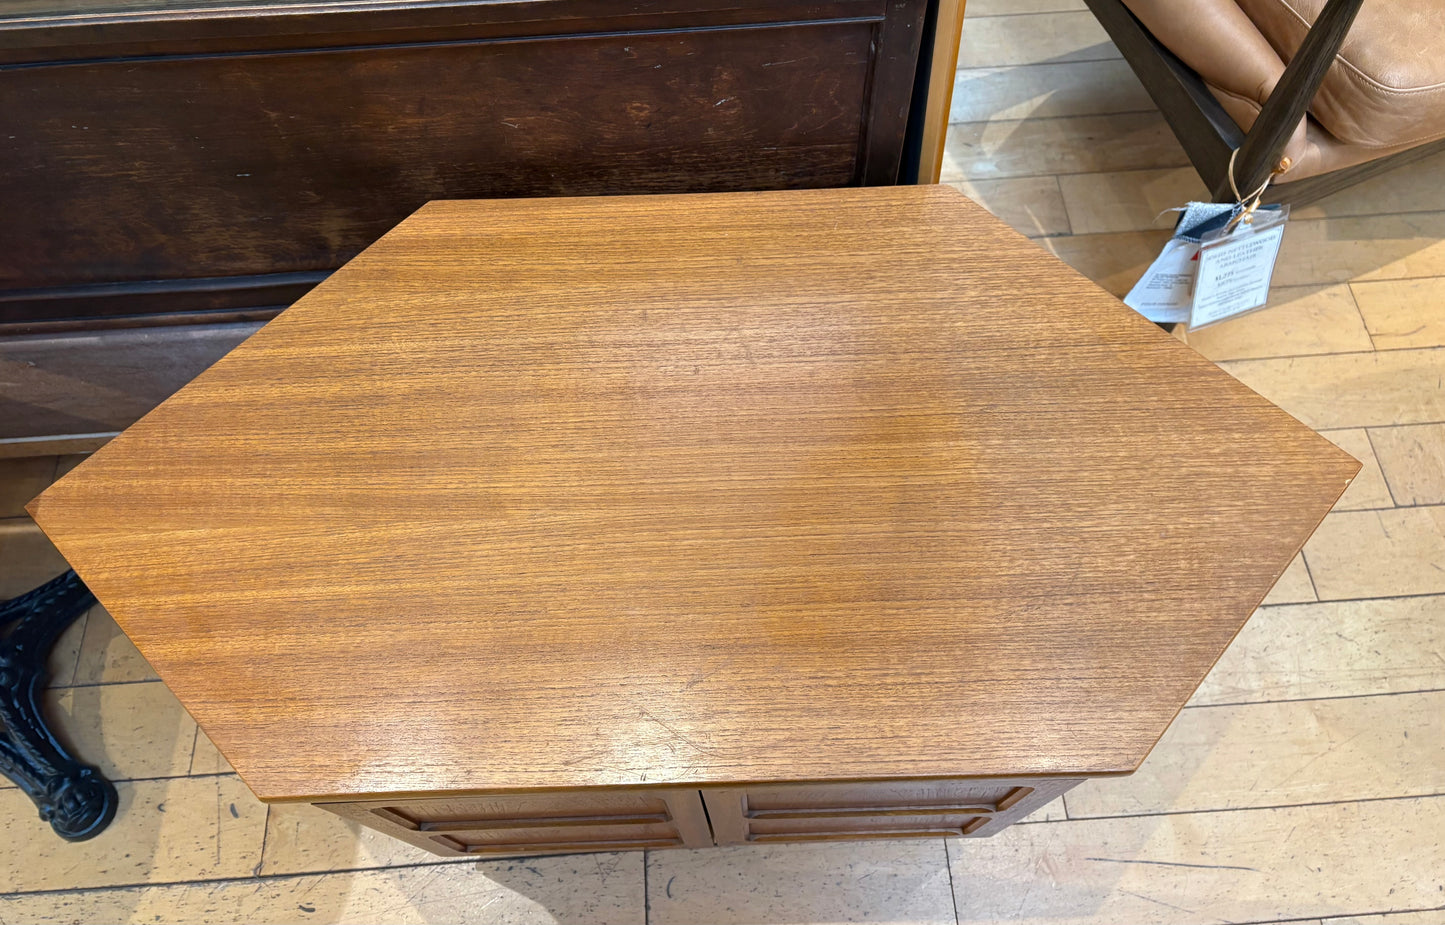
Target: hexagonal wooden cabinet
[[573, 524]]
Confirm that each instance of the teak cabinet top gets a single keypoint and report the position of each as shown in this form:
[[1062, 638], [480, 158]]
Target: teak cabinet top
[[823, 485]]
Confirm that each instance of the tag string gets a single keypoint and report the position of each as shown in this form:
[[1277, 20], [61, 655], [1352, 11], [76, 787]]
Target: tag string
[[1250, 202]]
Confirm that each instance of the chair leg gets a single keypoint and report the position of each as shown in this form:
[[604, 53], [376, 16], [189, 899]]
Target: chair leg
[[74, 798], [1265, 142]]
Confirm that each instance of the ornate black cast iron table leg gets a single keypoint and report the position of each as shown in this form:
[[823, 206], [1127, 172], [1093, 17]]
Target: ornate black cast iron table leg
[[73, 797]]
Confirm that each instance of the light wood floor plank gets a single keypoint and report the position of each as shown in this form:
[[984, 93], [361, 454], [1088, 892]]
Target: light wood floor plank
[[188, 828], [1412, 459], [107, 655], [1420, 917], [128, 731], [1030, 205], [207, 759], [892, 880], [1065, 145], [1002, 41], [1403, 313], [1358, 554], [594, 888], [1298, 321], [1243, 865], [1354, 389], [1313, 253], [304, 839], [1130, 200], [1368, 491], [1279, 754], [1397, 246], [1039, 90], [1114, 261], [1336, 649], [1417, 187], [1294, 586]]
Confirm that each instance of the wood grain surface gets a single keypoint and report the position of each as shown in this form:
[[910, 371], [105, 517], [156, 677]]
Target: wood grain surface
[[818, 485]]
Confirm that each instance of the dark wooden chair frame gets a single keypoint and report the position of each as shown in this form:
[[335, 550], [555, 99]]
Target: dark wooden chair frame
[[1210, 136]]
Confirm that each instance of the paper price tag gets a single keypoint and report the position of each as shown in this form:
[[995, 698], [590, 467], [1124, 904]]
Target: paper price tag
[[1235, 269], [1163, 292], [1239, 243]]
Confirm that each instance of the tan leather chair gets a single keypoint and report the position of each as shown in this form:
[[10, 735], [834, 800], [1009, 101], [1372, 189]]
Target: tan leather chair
[[1321, 93]]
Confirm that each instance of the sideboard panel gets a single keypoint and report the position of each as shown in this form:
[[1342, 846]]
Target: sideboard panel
[[546, 823], [883, 809], [669, 817]]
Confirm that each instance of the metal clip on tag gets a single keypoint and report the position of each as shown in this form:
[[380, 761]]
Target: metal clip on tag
[[1245, 204]]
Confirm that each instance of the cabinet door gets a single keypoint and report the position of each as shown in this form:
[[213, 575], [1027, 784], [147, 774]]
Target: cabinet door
[[894, 809], [545, 823]]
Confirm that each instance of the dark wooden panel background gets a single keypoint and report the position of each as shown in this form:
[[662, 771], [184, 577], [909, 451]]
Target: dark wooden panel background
[[279, 163], [72, 385], [165, 164]]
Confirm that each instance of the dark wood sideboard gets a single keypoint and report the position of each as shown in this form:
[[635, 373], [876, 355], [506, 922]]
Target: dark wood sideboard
[[175, 173]]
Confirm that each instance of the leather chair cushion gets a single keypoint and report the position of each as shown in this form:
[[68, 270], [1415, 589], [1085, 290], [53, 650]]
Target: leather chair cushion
[[1384, 93], [1387, 86], [1311, 150]]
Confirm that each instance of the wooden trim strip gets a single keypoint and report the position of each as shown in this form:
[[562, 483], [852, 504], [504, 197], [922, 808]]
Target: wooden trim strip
[[1012, 797], [398, 817], [897, 39], [43, 40], [859, 834], [845, 813], [542, 822], [942, 71], [617, 844], [58, 445], [130, 304]]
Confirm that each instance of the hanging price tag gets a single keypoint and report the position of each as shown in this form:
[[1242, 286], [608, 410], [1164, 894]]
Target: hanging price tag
[[1219, 262], [1235, 267], [1163, 293]]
